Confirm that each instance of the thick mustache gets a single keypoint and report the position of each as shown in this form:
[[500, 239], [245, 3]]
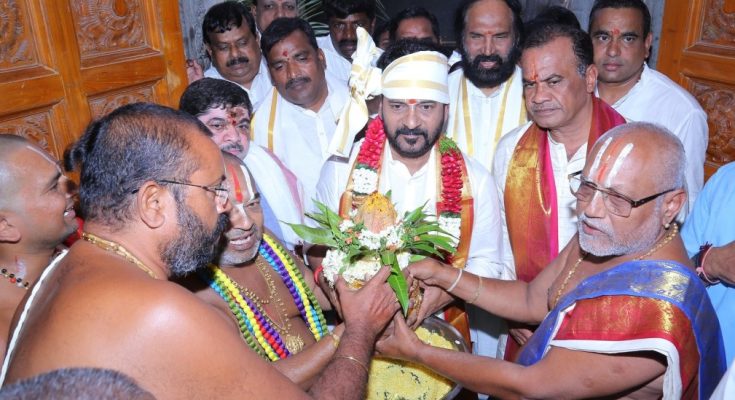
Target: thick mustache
[[296, 81], [232, 146], [237, 60], [485, 58], [412, 132]]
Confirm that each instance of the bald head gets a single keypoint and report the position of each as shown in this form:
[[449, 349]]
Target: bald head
[[645, 147], [9, 146], [630, 190], [36, 206], [9, 143], [12, 148]]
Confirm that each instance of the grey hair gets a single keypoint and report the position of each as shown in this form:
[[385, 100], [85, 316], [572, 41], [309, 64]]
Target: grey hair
[[670, 151], [76, 384]]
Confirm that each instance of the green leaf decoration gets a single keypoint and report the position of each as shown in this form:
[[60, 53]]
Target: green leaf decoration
[[314, 235], [428, 228], [427, 249], [396, 280], [446, 144], [440, 241], [415, 215], [416, 258], [321, 219]]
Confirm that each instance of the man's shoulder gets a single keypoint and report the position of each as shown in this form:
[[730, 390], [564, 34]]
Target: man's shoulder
[[657, 86], [475, 168], [504, 151], [509, 141], [723, 178], [338, 91], [212, 72], [324, 41], [454, 78]]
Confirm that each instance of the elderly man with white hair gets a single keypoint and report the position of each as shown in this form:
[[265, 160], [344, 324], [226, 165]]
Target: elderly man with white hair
[[406, 152], [621, 312]]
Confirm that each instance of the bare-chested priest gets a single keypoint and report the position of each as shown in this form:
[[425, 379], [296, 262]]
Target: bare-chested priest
[[154, 199], [260, 286], [622, 313], [36, 215]]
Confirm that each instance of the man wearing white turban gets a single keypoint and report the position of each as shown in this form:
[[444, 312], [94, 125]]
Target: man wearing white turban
[[421, 166]]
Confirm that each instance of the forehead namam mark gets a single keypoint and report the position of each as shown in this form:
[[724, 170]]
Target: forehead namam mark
[[619, 161], [615, 153], [41, 153], [235, 183]]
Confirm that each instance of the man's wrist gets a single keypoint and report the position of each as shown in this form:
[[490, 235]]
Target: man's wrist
[[703, 268]]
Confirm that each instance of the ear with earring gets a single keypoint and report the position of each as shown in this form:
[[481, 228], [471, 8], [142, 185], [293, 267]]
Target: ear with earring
[[667, 225]]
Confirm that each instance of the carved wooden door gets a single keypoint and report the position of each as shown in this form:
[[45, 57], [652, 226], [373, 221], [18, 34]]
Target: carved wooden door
[[65, 62], [698, 51]]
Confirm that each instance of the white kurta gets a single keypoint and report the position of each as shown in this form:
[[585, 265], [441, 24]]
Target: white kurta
[[259, 88], [656, 98], [337, 66], [411, 191], [726, 388], [454, 58], [565, 200], [283, 192], [300, 136], [480, 139]]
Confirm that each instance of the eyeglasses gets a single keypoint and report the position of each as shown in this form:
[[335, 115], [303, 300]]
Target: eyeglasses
[[221, 193], [617, 203]]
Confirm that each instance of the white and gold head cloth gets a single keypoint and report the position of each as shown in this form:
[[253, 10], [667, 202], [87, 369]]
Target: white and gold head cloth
[[422, 76]]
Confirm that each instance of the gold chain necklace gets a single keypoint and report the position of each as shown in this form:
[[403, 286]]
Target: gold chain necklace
[[656, 248], [118, 249], [294, 343]]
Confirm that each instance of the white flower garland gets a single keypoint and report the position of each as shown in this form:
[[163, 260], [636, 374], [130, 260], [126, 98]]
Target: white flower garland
[[453, 226], [361, 271], [364, 181]]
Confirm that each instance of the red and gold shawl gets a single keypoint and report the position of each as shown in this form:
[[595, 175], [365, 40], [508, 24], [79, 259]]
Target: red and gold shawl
[[531, 207]]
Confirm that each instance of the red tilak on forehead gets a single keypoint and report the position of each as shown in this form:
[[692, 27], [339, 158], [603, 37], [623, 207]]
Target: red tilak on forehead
[[285, 53], [236, 182], [616, 31], [534, 74], [411, 101]]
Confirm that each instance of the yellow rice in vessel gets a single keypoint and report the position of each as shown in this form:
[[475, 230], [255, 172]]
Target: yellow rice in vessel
[[401, 380]]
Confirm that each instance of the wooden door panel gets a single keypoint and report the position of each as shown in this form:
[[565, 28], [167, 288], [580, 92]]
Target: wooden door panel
[[103, 104], [698, 51], [63, 63], [45, 126]]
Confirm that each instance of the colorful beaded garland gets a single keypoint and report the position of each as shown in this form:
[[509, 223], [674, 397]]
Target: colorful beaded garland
[[15, 280], [256, 328]]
